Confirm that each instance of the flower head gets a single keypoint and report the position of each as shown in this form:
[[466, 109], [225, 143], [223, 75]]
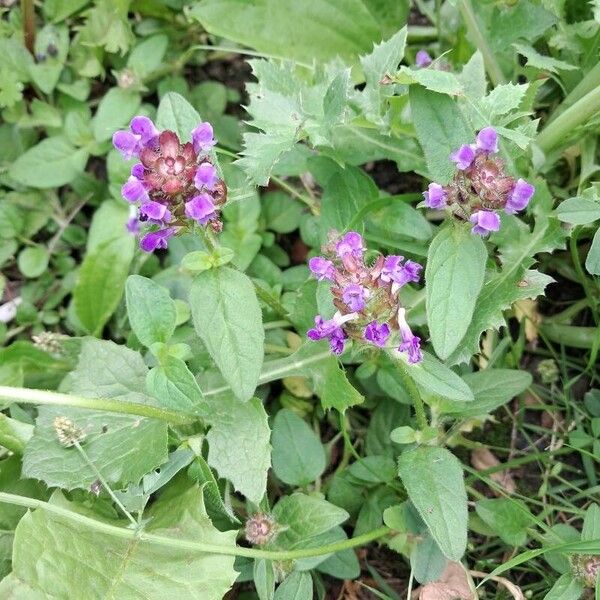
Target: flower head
[[322, 268], [519, 197], [435, 196], [463, 157], [377, 334], [487, 140], [484, 222], [67, 432], [260, 529]]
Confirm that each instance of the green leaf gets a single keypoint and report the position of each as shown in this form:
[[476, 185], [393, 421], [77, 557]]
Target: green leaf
[[441, 129], [51, 163], [109, 566], [174, 386], [384, 59], [296, 586], [148, 55], [539, 61], [453, 277], [298, 455], [442, 82], [286, 29], [578, 211], [264, 579], [46, 73], [238, 444], [101, 282], [566, 587], [504, 98], [592, 262], [508, 518], [228, 319], [433, 478], [177, 114], [150, 309], [33, 261], [492, 388], [114, 112], [591, 523]]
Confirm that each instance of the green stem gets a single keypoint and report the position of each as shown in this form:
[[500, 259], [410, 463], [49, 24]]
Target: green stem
[[29, 396], [491, 64], [560, 128], [413, 392], [193, 546], [276, 325], [314, 207], [28, 16], [270, 301]]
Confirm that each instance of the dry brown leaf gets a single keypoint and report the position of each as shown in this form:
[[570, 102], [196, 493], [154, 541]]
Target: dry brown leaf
[[483, 459], [453, 584], [513, 589], [527, 310]]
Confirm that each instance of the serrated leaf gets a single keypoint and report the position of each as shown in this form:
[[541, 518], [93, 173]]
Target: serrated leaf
[[131, 569], [239, 446], [176, 114], [228, 318], [504, 98], [442, 82], [384, 58], [539, 61], [433, 478], [101, 281], [51, 163], [150, 309], [261, 153], [441, 129], [454, 277]]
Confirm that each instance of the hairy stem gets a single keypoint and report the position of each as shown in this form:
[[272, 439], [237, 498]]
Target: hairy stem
[[491, 64], [29, 396], [158, 540]]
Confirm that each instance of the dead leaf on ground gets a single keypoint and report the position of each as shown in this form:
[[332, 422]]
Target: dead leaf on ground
[[483, 459], [453, 584], [527, 310]]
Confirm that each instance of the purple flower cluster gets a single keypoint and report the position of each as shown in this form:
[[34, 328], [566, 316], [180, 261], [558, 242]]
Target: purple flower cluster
[[366, 297], [480, 187], [173, 185]]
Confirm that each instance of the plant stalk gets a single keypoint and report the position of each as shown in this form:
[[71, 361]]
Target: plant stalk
[[192, 546], [29, 396], [414, 394], [28, 16]]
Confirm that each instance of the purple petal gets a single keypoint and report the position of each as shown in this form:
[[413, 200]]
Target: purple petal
[[422, 59], [133, 225], [322, 268], [144, 128], [155, 211], [202, 137], [435, 196], [412, 347], [337, 342], [487, 140], [484, 221], [156, 240], [351, 244], [377, 334], [463, 157], [126, 143], [201, 209], [519, 197], [206, 176], [354, 297], [134, 191], [137, 171]]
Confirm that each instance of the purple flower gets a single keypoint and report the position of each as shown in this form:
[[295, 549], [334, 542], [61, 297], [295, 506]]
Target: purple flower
[[377, 334], [156, 240], [202, 137], [351, 244], [200, 208], [487, 140], [411, 344], [435, 196], [422, 59], [322, 268], [137, 171], [463, 157], [126, 143], [519, 197], [337, 341], [133, 225], [145, 129], [398, 272], [354, 297], [133, 190], [141, 134], [485, 221], [155, 212], [206, 176], [332, 330]]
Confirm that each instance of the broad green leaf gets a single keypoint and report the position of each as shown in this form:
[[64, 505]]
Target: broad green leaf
[[287, 29], [427, 560], [433, 478], [174, 386], [14, 434], [384, 58], [298, 455], [110, 566], [592, 262], [578, 211], [108, 223], [442, 82], [148, 55], [566, 587], [177, 114], [508, 518], [504, 98], [492, 388], [114, 112], [101, 282], [228, 319], [33, 261], [453, 277], [591, 523], [51, 163], [441, 129], [150, 309], [46, 73], [304, 517], [296, 586], [264, 579], [238, 444]]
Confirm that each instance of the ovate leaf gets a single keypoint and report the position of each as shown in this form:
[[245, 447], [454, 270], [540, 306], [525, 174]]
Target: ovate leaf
[[296, 586], [433, 478], [114, 112], [228, 318], [454, 276], [177, 114]]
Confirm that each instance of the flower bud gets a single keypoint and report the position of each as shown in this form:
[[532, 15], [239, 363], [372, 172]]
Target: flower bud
[[67, 432], [260, 529]]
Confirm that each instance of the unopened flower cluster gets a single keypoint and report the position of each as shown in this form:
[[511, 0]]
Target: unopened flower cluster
[[366, 297], [174, 184], [481, 188]]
